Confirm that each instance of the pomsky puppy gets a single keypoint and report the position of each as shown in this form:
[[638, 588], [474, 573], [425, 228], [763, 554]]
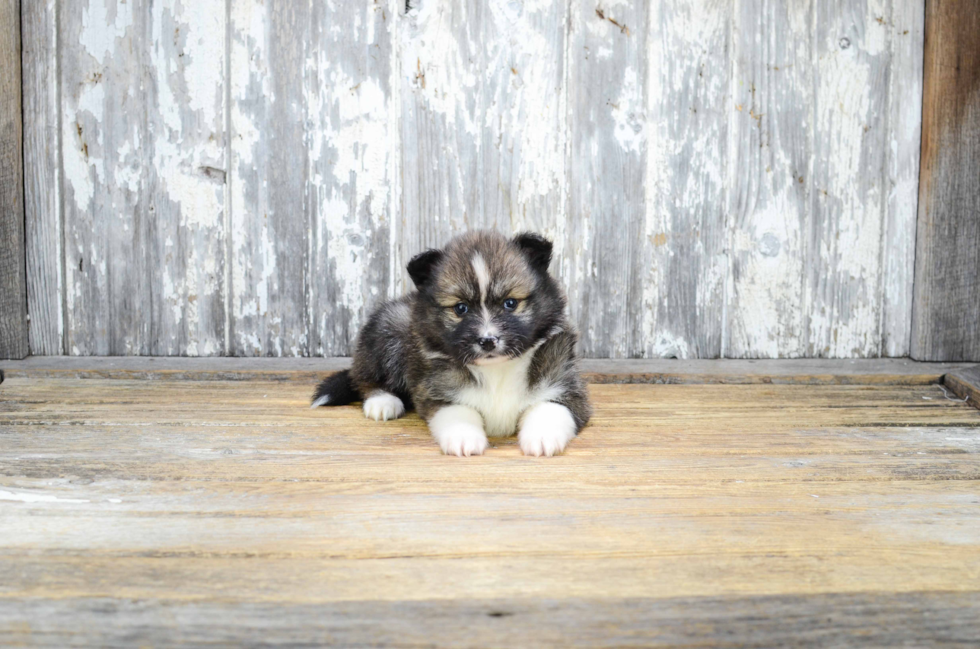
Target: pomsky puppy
[[482, 349]]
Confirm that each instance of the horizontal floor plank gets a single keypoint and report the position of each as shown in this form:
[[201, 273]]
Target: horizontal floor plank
[[150, 509], [832, 619], [965, 383], [877, 371]]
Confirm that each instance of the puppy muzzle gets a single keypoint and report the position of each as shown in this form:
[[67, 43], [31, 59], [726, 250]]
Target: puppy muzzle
[[488, 343]]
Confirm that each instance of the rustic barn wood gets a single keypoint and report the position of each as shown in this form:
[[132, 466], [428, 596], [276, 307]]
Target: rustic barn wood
[[965, 383], [720, 180], [861, 203], [103, 113], [773, 119], [946, 314], [229, 512], [915, 619], [268, 174], [42, 178], [482, 123], [607, 104], [13, 283], [823, 175], [143, 157], [902, 137], [350, 99], [870, 371]]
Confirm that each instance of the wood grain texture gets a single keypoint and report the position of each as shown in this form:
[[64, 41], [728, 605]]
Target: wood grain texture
[[825, 96], [965, 383], [946, 308], [269, 176], [184, 172], [607, 80], [824, 620], [648, 92], [846, 180], [13, 281], [352, 123], [883, 371], [482, 121], [732, 180], [902, 139], [103, 115], [42, 178], [779, 502], [142, 130], [772, 120], [683, 262], [313, 174]]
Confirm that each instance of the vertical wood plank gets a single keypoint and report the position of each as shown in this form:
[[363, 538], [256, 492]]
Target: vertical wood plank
[[442, 83], [607, 104], [143, 156], [901, 144], [184, 174], [103, 132], [270, 167], [853, 262], [682, 261], [524, 121], [946, 307], [13, 284], [846, 179], [351, 116], [772, 123], [483, 120], [42, 178], [832, 93]]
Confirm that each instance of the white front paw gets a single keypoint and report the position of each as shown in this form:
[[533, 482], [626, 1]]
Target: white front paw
[[546, 429], [459, 431], [463, 440], [382, 406]]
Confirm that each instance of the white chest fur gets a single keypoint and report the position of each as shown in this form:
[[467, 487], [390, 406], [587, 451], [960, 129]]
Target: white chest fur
[[501, 394]]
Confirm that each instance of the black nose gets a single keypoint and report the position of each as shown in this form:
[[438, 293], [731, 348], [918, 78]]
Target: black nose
[[488, 343]]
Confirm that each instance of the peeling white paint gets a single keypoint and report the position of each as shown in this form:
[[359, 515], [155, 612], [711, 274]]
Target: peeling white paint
[[441, 72], [102, 26], [769, 288], [845, 323], [27, 497], [79, 155], [693, 105], [628, 114], [76, 167], [356, 145]]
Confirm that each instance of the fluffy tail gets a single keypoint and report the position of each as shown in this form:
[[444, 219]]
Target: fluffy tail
[[335, 390]]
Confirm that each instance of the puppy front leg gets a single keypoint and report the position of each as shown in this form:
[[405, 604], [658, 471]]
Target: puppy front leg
[[458, 430], [546, 429]]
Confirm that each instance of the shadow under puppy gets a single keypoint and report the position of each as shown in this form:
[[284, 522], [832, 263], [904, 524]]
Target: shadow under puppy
[[483, 348]]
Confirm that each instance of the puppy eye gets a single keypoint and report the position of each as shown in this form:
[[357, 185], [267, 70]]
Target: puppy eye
[[510, 304], [461, 309]]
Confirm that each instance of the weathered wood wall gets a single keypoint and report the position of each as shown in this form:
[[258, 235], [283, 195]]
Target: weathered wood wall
[[734, 178], [13, 282], [946, 311]]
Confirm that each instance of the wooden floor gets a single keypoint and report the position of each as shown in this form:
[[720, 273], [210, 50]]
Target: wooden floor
[[159, 512]]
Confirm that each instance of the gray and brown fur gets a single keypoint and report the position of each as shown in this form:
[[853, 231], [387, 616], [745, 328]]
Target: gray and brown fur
[[417, 347]]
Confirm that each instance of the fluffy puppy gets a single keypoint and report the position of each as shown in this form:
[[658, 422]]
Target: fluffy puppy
[[482, 349]]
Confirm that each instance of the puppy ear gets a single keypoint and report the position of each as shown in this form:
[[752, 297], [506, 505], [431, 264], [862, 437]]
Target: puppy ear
[[536, 249], [421, 267]]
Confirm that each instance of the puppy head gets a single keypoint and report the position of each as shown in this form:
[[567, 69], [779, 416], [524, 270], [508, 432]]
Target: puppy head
[[486, 298]]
